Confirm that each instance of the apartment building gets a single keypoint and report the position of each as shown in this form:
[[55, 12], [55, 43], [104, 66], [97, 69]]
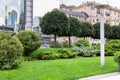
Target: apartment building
[[111, 14]]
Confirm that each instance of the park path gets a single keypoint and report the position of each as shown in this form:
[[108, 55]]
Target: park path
[[109, 76]]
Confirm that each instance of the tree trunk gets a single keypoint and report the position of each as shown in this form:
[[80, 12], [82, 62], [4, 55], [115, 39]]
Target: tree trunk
[[84, 37], [55, 38], [69, 42]]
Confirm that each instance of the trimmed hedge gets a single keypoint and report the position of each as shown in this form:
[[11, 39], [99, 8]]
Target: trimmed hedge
[[30, 41], [117, 59], [82, 42], [11, 51], [48, 55]]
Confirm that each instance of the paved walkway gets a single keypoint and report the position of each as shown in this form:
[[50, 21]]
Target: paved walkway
[[109, 76]]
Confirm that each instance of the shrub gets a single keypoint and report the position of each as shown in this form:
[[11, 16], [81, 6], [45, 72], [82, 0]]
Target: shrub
[[48, 56], [65, 44], [30, 41], [55, 45], [117, 59], [44, 54], [108, 51], [66, 54], [112, 46], [96, 47], [11, 51], [84, 51], [82, 42]]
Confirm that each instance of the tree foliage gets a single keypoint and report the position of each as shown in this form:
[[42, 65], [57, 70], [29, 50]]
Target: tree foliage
[[115, 32], [96, 31], [54, 22], [74, 28], [86, 29]]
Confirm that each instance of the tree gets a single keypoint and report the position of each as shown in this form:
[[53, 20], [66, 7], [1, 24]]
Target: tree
[[96, 32], [86, 29], [74, 28], [54, 22], [115, 32]]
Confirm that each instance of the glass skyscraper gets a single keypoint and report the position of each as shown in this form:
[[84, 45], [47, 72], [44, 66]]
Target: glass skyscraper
[[12, 19], [26, 15]]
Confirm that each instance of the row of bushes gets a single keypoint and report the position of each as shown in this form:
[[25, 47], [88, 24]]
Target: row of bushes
[[83, 48], [13, 47], [60, 54]]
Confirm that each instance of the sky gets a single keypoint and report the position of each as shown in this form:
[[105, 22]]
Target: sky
[[43, 6]]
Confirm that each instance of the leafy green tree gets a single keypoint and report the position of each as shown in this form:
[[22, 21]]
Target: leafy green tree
[[115, 32], [54, 22], [74, 28], [86, 29], [96, 32]]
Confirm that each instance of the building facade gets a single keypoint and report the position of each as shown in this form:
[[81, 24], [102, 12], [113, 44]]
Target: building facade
[[12, 19], [111, 15], [26, 15]]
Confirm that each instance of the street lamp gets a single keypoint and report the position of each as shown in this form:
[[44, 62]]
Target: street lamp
[[102, 38]]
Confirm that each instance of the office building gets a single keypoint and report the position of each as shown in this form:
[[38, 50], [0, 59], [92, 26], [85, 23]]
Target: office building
[[26, 15], [12, 19]]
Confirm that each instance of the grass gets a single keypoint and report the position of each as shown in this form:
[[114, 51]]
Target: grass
[[65, 69]]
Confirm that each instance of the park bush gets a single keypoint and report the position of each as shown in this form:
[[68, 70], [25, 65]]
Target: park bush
[[30, 41], [82, 42], [48, 56], [117, 59], [96, 47], [112, 47], [66, 54], [85, 51], [11, 51], [52, 54]]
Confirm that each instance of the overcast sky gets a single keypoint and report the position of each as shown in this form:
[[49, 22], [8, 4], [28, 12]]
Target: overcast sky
[[43, 6]]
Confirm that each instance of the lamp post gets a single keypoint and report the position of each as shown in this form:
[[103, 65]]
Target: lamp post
[[102, 39]]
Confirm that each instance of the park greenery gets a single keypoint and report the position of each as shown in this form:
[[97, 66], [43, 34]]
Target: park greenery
[[11, 51], [65, 69], [55, 23], [62, 61], [30, 41]]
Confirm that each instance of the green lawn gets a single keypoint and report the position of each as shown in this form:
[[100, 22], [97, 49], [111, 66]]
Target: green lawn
[[65, 69]]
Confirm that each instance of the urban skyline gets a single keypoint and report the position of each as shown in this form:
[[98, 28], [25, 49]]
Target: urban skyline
[[40, 7]]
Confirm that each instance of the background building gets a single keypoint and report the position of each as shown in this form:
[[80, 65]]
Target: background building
[[12, 19], [111, 15], [26, 15]]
